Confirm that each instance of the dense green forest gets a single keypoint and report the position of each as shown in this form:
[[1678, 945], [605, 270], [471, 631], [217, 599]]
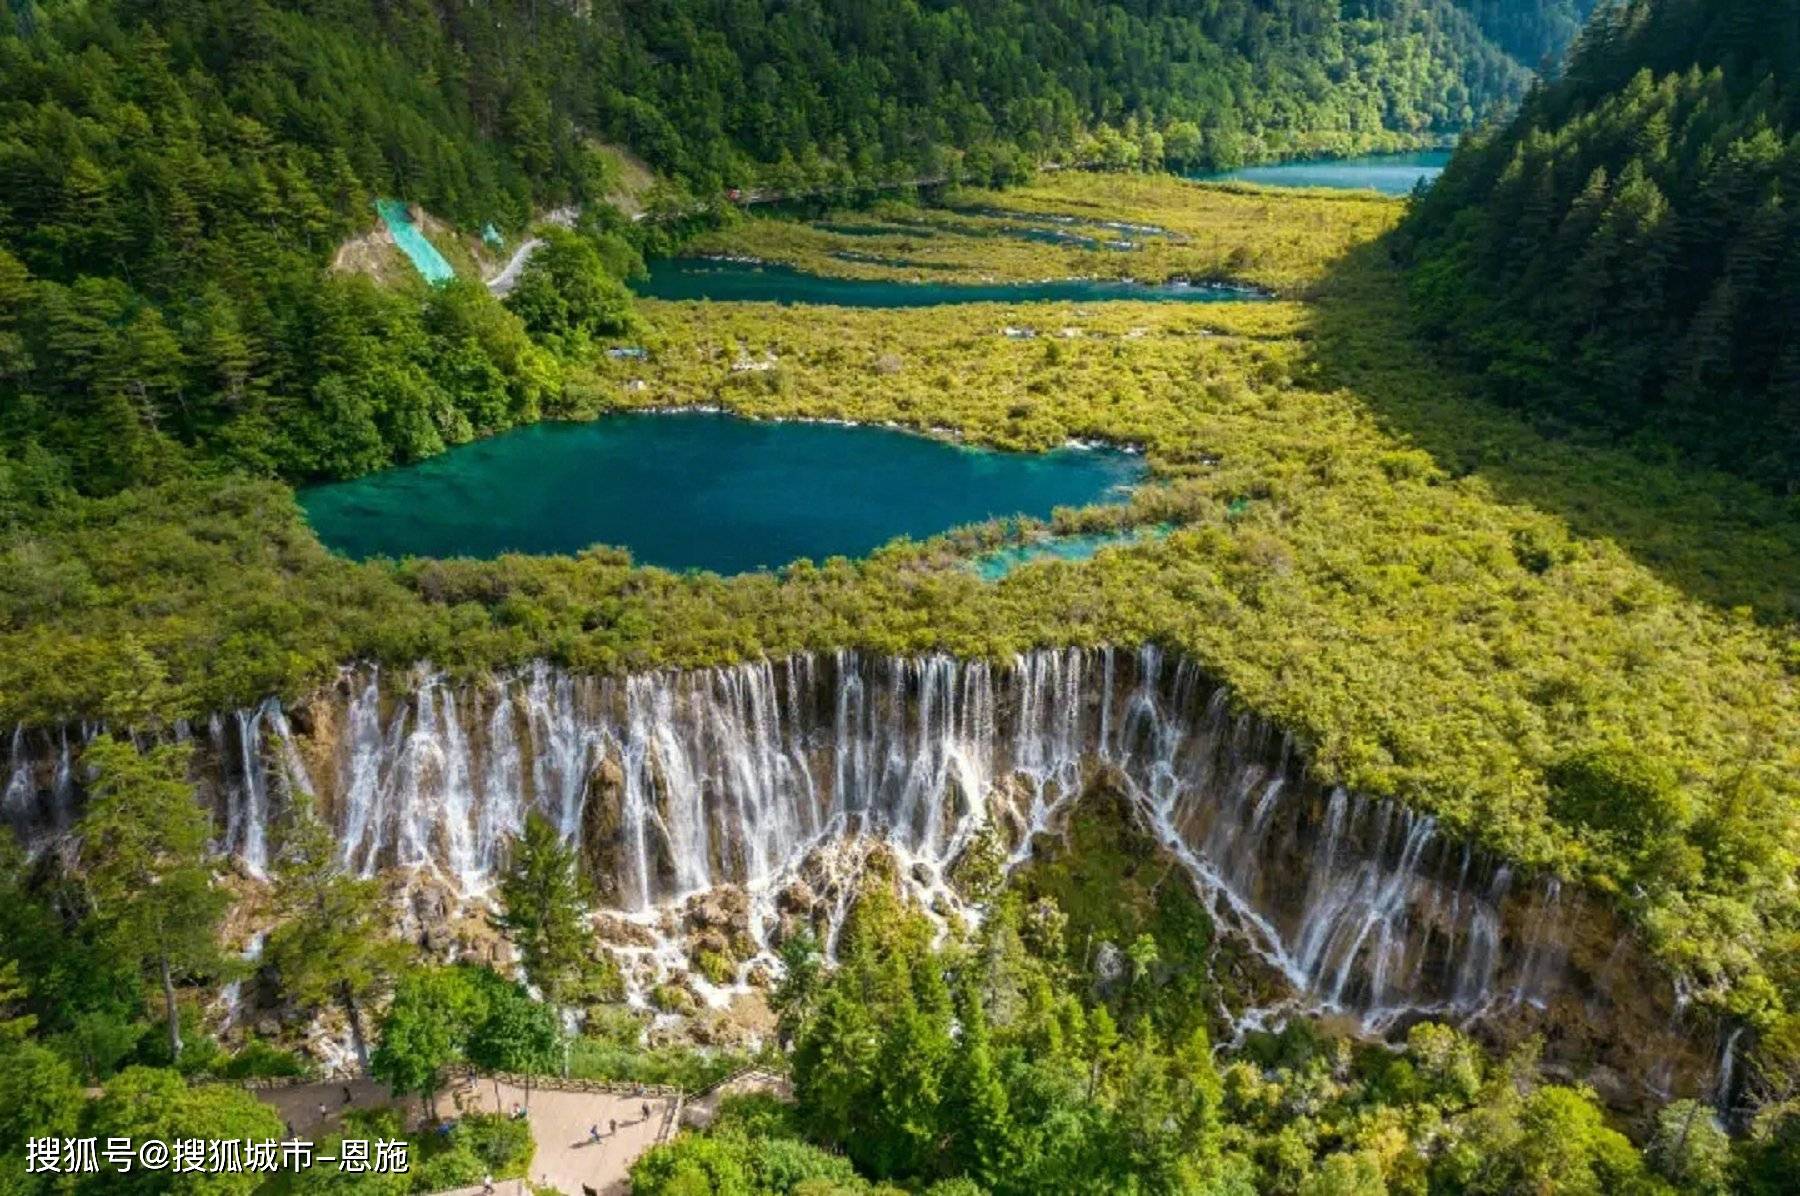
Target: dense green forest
[[178, 178], [1535, 32], [829, 84], [1626, 254], [178, 173], [1003, 1065]]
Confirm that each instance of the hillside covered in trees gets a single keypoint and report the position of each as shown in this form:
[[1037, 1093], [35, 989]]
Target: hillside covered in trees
[[1626, 254], [178, 175], [1535, 32]]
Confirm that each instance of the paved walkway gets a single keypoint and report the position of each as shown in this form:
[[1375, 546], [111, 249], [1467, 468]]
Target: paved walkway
[[566, 1159], [501, 284], [300, 1105]]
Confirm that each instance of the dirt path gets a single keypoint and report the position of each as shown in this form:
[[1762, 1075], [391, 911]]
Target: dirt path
[[567, 1159], [700, 1112]]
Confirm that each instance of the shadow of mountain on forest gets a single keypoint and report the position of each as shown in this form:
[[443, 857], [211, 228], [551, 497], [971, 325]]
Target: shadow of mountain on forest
[[1719, 539]]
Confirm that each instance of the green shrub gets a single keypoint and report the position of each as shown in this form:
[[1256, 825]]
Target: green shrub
[[672, 998], [757, 1115], [457, 1167], [1620, 792], [686, 1067], [501, 1142], [258, 1060], [715, 967]]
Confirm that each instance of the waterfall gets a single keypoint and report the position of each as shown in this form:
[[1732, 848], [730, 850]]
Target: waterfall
[[20, 795], [676, 782], [40, 795], [1726, 1073]]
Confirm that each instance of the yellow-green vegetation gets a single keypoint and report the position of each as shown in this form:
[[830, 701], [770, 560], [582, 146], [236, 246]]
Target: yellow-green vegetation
[[1447, 606], [1281, 240], [1432, 635]]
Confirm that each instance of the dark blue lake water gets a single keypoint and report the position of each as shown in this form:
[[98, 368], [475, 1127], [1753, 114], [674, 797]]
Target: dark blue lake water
[[694, 278]]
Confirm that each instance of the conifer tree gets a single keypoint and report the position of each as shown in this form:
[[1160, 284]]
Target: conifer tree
[[544, 902], [143, 857], [331, 945]]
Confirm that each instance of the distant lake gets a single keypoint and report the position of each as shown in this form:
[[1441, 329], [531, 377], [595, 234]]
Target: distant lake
[[700, 491], [1391, 174], [698, 278]]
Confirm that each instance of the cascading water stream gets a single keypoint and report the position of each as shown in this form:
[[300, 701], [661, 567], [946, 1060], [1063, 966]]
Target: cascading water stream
[[675, 783]]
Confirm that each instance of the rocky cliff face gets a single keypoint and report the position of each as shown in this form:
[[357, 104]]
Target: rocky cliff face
[[716, 808]]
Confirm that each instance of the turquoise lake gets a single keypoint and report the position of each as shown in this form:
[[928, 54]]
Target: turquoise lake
[[1390, 174], [700, 491], [693, 278]]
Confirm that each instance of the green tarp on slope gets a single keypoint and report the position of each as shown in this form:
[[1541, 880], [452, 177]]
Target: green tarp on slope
[[423, 254]]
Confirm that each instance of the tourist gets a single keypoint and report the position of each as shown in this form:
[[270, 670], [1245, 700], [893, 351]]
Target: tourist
[[594, 1134], [612, 1127], [487, 1184], [324, 1111], [347, 1097], [646, 1111]]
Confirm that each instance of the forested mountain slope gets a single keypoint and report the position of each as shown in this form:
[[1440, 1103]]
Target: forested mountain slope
[[178, 173], [1535, 32], [1626, 254], [825, 84], [176, 178]]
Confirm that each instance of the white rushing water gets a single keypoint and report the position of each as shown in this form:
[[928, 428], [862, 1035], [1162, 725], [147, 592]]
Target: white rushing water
[[677, 782]]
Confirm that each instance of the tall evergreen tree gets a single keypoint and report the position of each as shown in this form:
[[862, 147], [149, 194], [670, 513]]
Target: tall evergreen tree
[[544, 902], [144, 858], [1623, 254], [331, 945]]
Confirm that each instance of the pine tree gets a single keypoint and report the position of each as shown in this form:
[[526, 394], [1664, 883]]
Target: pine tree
[[144, 861], [331, 945], [978, 1108], [544, 903], [835, 1060], [14, 1027]]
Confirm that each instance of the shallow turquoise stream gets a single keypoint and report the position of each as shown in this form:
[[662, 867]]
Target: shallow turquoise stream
[[993, 566]]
